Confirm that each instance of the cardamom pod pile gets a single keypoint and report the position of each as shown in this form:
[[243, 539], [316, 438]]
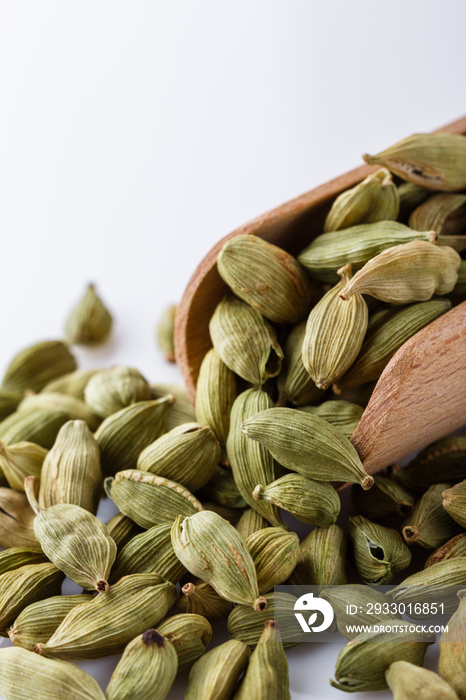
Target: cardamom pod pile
[[208, 495]]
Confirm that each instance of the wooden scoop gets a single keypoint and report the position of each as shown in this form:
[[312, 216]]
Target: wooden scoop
[[420, 396]]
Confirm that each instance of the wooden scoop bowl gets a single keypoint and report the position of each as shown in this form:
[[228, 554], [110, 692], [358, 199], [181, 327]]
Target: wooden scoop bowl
[[420, 396]]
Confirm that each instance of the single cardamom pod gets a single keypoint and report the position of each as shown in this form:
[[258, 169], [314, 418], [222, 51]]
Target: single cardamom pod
[[386, 497], [356, 246], [36, 365], [146, 670], [452, 660], [74, 540], [407, 273], [8, 403], [342, 414], [442, 461], [73, 407], [209, 547], [113, 618], [38, 425], [147, 553], [454, 502], [122, 529], [435, 161], [245, 341], [110, 390], [19, 461], [149, 499], [250, 521], [71, 470], [181, 410], [456, 547], [437, 582], [322, 558], [276, 285], [123, 435], [190, 634], [247, 625], [407, 681], [266, 676], [379, 551], [215, 675], [308, 445], [433, 213], [72, 384], [16, 557], [22, 672], [38, 621], [312, 502], [90, 322], [294, 383], [202, 599], [411, 196], [166, 333], [188, 454], [223, 490], [16, 521], [361, 598], [215, 394], [429, 525], [275, 553]]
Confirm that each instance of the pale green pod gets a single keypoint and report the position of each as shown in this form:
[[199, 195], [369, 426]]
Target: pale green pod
[[432, 214], [222, 489], [113, 618], [276, 284], [38, 425], [438, 582], [266, 676], [379, 552], [407, 681], [456, 547], [19, 461], [24, 674], [454, 503], [251, 463], [149, 499], [123, 435], [386, 497], [411, 196], [452, 659], [245, 341], [16, 557], [407, 273], [442, 461], [215, 675], [436, 161], [122, 529], [275, 554], [251, 521], [374, 199], [89, 322], [73, 383], [8, 403], [146, 670], [342, 414], [209, 547], [202, 599], [181, 410], [110, 390], [190, 634], [215, 394], [312, 502], [356, 246], [36, 365], [294, 383], [247, 625], [166, 333], [16, 521], [73, 407], [188, 454], [71, 471], [322, 558], [429, 525], [308, 445], [362, 598]]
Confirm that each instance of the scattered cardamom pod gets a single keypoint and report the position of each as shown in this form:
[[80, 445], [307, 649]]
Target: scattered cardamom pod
[[38, 425], [19, 461], [215, 675], [203, 600], [294, 383], [16, 557], [456, 547], [251, 521], [432, 214], [166, 333], [429, 525], [190, 634], [342, 414], [215, 394], [438, 582], [454, 502], [247, 625], [407, 681], [361, 598], [452, 660], [72, 384], [379, 551], [266, 676], [275, 554], [181, 410], [16, 521], [90, 322], [36, 365], [322, 558], [110, 390], [73, 407]]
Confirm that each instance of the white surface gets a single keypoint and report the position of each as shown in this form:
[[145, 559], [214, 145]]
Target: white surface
[[134, 135]]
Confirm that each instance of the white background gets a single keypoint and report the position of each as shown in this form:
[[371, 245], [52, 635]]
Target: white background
[[133, 135]]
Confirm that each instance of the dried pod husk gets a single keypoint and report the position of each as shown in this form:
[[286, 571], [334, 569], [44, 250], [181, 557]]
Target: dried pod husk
[[74, 408], [245, 341], [247, 625], [429, 525], [442, 461], [122, 529], [407, 273], [276, 285], [436, 161], [211, 548], [37, 622], [307, 444], [188, 454], [90, 322], [275, 554], [110, 390], [386, 497], [215, 394], [16, 557], [378, 551], [16, 521], [407, 681], [149, 499], [23, 673], [113, 618], [147, 553], [23, 586], [38, 425], [251, 463], [190, 634], [432, 214], [72, 384], [266, 676], [411, 196], [452, 659], [181, 410], [356, 246], [166, 332], [250, 521], [75, 540], [215, 675], [362, 662], [312, 502], [202, 599], [322, 558], [223, 490], [123, 435], [8, 403], [374, 199], [361, 598], [342, 414], [383, 340], [456, 547], [454, 502], [71, 471], [36, 365], [19, 461], [294, 383], [438, 582], [146, 670]]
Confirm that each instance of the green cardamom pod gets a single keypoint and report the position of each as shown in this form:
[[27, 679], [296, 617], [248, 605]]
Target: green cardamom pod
[[251, 521], [386, 497], [456, 547], [411, 196], [122, 529], [379, 551], [16, 557], [215, 675], [452, 660], [38, 425], [90, 322], [72, 384], [73, 407], [247, 625], [8, 403], [429, 525], [181, 410], [202, 599], [190, 634], [275, 554], [361, 598], [432, 214], [215, 394], [342, 414], [19, 461], [36, 365], [407, 681], [266, 676], [110, 390], [16, 521], [442, 461], [294, 383], [438, 582], [166, 333], [322, 558], [454, 502], [223, 490]]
